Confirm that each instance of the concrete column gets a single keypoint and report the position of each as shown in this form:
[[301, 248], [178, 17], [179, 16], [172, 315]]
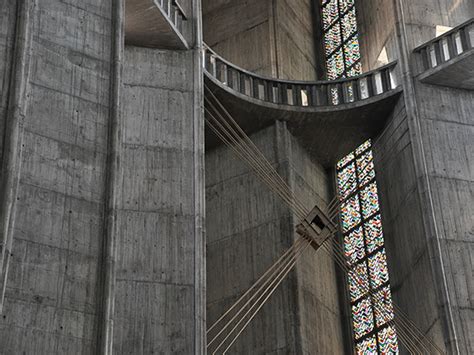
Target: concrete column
[[248, 228]]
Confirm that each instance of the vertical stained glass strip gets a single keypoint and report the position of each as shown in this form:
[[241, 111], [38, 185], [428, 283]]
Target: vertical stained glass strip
[[332, 39], [335, 65], [349, 24], [349, 157], [330, 13], [358, 281], [365, 168], [378, 269], [350, 213], [345, 5], [388, 343], [354, 248], [363, 147], [373, 234], [369, 200], [346, 181], [352, 51], [367, 346], [383, 306], [363, 319]]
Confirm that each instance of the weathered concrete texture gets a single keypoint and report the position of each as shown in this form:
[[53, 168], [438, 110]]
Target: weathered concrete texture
[[422, 17], [319, 296], [248, 228], [269, 37], [51, 303], [155, 309], [241, 31], [413, 286], [376, 27], [447, 124], [7, 32], [294, 39]]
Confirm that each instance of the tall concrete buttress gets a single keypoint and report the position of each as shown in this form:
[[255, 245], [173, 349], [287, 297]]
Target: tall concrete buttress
[[102, 184]]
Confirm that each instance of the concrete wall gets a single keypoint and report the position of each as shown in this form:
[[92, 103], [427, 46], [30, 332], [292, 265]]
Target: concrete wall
[[70, 267], [155, 307], [376, 21], [422, 17], [269, 37], [294, 39], [248, 228], [447, 126], [52, 298], [321, 318], [414, 287], [7, 34]]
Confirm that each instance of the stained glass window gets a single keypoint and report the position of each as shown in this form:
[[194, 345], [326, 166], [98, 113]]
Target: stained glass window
[[340, 38], [368, 278], [363, 318], [367, 346]]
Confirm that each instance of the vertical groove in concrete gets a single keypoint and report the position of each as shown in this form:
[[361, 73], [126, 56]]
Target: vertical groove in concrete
[[424, 188], [105, 336], [12, 148], [199, 189]]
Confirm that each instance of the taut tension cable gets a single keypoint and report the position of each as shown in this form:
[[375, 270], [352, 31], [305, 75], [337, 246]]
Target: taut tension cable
[[225, 331]]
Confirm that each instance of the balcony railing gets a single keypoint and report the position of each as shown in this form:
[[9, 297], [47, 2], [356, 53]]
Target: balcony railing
[[175, 14], [300, 93], [445, 47]]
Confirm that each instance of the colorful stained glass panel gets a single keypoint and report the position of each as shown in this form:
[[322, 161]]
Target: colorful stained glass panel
[[365, 168], [352, 51], [367, 346], [369, 200], [330, 13], [354, 248], [378, 269], [345, 5], [335, 65], [388, 343], [349, 24], [358, 281], [362, 318], [332, 39], [355, 70], [346, 181], [350, 213], [363, 147], [341, 163], [373, 233], [383, 306]]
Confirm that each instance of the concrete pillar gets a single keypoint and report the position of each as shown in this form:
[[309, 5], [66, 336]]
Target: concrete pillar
[[106, 249], [269, 37], [248, 228]]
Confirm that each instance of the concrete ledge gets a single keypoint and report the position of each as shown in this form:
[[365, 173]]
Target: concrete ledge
[[456, 73]]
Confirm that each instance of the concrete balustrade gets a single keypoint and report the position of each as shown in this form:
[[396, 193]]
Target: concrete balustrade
[[446, 47], [299, 93]]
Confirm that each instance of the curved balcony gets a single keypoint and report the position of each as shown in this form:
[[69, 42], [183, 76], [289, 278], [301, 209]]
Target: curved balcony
[[329, 117]]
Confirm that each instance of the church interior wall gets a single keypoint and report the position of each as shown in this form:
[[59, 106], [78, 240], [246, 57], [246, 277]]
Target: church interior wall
[[52, 294]]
